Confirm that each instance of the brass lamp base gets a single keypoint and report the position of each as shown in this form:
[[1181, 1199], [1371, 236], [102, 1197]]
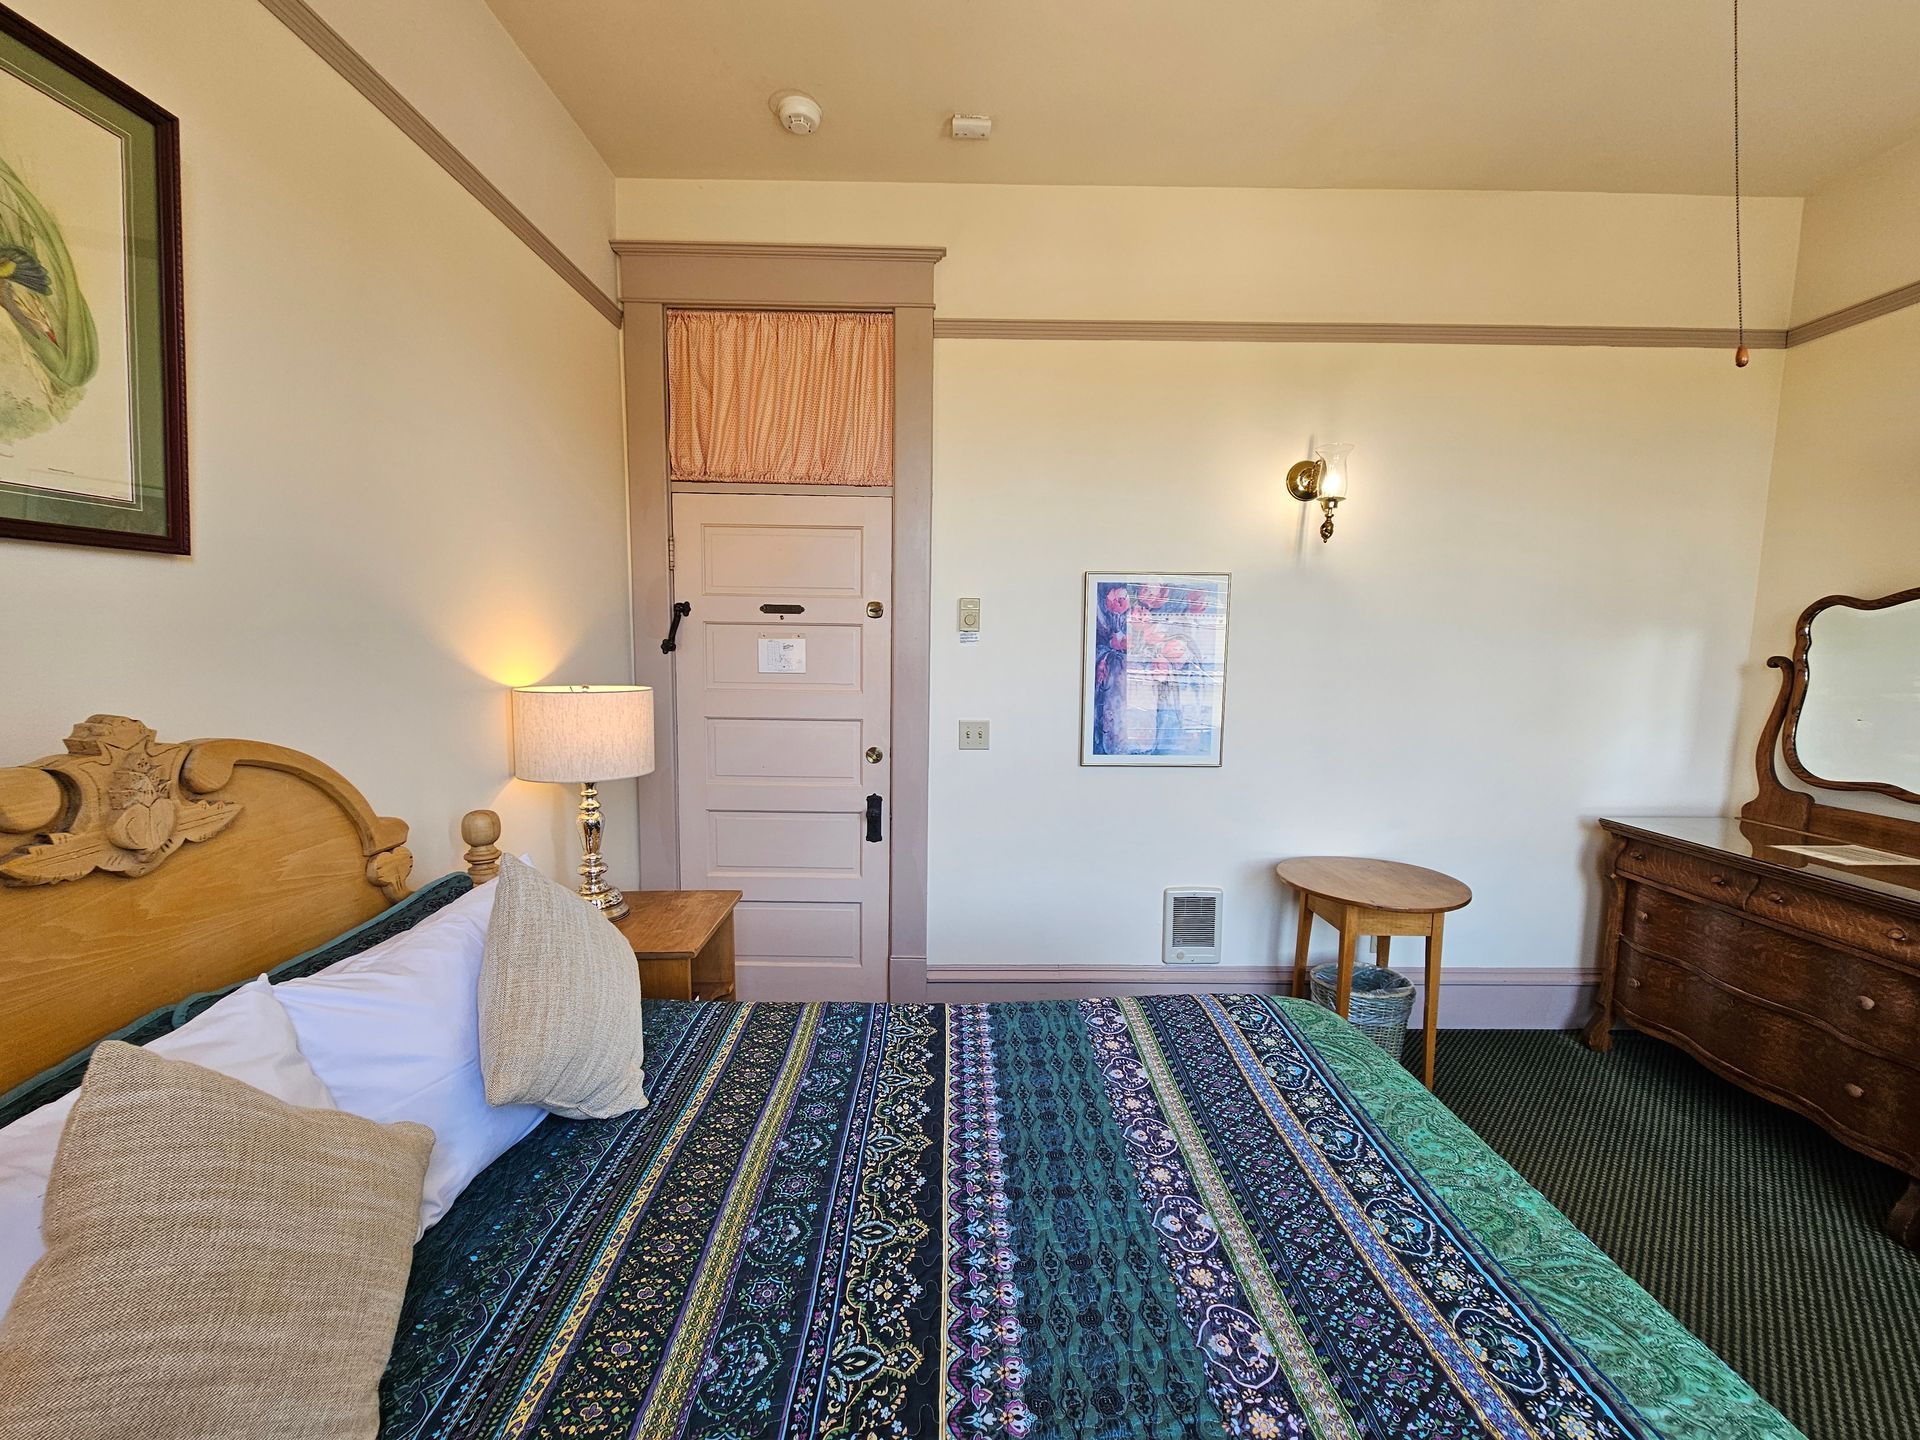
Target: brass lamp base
[[594, 888]]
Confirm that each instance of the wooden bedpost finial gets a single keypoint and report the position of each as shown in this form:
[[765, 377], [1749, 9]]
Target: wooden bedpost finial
[[480, 828]]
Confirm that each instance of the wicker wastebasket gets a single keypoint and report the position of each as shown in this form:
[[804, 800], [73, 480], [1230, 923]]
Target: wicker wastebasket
[[1379, 1005]]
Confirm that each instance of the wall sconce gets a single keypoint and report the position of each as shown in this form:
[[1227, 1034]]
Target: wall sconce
[[1323, 478]]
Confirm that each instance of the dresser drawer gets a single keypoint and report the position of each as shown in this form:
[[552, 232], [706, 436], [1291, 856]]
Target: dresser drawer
[[1722, 884], [1876, 1102], [1875, 1004], [1847, 922]]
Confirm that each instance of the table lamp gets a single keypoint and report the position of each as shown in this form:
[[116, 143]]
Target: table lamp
[[582, 735]]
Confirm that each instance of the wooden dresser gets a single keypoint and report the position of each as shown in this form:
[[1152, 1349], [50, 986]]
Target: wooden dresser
[[1798, 981], [1795, 977]]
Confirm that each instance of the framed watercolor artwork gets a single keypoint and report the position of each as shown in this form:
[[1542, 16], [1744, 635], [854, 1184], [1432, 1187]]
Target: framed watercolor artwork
[[1154, 681], [93, 413]]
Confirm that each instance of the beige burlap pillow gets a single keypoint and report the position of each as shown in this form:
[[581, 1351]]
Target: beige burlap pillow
[[559, 1003], [220, 1265]]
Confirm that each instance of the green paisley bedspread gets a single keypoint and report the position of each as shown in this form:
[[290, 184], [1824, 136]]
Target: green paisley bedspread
[[1180, 1216]]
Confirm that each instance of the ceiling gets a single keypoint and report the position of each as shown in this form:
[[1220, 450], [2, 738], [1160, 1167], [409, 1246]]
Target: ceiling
[[1623, 95]]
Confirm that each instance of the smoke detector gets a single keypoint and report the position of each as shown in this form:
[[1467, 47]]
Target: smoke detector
[[971, 127], [798, 114]]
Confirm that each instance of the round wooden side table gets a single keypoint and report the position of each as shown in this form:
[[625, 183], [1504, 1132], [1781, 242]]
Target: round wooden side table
[[1373, 897]]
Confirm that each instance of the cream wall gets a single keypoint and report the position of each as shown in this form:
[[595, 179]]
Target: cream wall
[[1858, 235], [1843, 514], [457, 65], [1104, 252], [1534, 611], [406, 457]]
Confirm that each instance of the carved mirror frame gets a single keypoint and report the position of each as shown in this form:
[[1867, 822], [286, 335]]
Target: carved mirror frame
[[1796, 694]]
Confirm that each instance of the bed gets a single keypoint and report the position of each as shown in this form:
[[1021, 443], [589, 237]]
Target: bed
[[1156, 1217]]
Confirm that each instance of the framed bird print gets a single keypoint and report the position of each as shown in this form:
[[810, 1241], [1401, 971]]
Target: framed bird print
[[93, 432]]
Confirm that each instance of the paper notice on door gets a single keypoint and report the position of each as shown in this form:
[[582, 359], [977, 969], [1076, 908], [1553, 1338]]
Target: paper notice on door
[[1849, 855], [783, 655]]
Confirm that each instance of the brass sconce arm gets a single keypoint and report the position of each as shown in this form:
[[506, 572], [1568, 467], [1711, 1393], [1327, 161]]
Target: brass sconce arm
[[1304, 483]]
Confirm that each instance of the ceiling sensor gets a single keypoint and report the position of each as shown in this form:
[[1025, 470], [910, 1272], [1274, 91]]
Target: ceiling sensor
[[972, 127], [798, 114]]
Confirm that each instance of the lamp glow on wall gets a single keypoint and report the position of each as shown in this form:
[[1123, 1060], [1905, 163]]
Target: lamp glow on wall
[[583, 735], [1323, 478]]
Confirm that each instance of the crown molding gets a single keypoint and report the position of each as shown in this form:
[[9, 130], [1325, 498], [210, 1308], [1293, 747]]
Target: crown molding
[[354, 68]]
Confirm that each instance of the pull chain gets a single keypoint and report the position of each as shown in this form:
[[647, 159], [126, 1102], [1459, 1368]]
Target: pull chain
[[1740, 356]]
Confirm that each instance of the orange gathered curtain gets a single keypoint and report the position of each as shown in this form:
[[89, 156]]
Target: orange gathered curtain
[[797, 397]]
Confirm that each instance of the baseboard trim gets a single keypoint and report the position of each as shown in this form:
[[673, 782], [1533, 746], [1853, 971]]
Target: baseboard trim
[[1471, 998]]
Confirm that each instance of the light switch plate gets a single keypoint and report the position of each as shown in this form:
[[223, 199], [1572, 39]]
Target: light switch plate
[[973, 735]]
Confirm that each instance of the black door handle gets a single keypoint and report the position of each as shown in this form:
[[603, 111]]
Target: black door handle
[[873, 819], [681, 609]]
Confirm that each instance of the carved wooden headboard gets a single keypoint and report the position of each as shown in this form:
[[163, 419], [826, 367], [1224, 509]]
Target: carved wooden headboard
[[134, 873]]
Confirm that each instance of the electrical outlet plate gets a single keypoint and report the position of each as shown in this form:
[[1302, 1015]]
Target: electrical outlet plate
[[973, 734]]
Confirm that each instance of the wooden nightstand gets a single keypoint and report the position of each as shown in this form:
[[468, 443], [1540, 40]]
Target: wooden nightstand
[[683, 941]]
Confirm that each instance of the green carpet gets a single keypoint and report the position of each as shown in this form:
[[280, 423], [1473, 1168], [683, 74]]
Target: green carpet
[[1757, 1231]]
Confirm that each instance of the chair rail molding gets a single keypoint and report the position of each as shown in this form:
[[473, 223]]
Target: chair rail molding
[[1328, 332]]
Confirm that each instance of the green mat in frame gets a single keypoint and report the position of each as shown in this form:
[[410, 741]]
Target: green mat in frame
[[1758, 1231]]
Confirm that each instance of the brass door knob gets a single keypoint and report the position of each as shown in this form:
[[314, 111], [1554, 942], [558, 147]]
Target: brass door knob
[[875, 754], [875, 609]]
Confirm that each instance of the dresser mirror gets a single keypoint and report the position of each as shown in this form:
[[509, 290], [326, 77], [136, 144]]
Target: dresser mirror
[[1853, 722]]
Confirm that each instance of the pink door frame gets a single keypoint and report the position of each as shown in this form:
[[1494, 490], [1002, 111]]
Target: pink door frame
[[656, 276]]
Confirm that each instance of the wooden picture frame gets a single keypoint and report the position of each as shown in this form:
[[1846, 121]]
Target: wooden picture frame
[[93, 429], [1799, 679]]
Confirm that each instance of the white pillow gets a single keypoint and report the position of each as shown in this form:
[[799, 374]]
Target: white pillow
[[394, 1032], [246, 1035]]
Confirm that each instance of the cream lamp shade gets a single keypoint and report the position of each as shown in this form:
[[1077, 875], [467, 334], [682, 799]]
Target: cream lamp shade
[[578, 734]]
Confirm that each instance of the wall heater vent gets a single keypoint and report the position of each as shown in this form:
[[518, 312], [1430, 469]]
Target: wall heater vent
[[1190, 927]]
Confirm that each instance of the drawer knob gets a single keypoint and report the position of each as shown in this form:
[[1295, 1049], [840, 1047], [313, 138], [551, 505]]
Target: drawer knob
[[1897, 935], [1633, 982], [1641, 915], [1717, 879], [1638, 854], [1865, 1002], [1854, 1092], [1776, 897]]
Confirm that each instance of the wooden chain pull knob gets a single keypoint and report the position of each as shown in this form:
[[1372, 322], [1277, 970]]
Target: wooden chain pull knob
[[1740, 357]]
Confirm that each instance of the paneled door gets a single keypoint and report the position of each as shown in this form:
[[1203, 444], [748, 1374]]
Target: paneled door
[[781, 704]]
